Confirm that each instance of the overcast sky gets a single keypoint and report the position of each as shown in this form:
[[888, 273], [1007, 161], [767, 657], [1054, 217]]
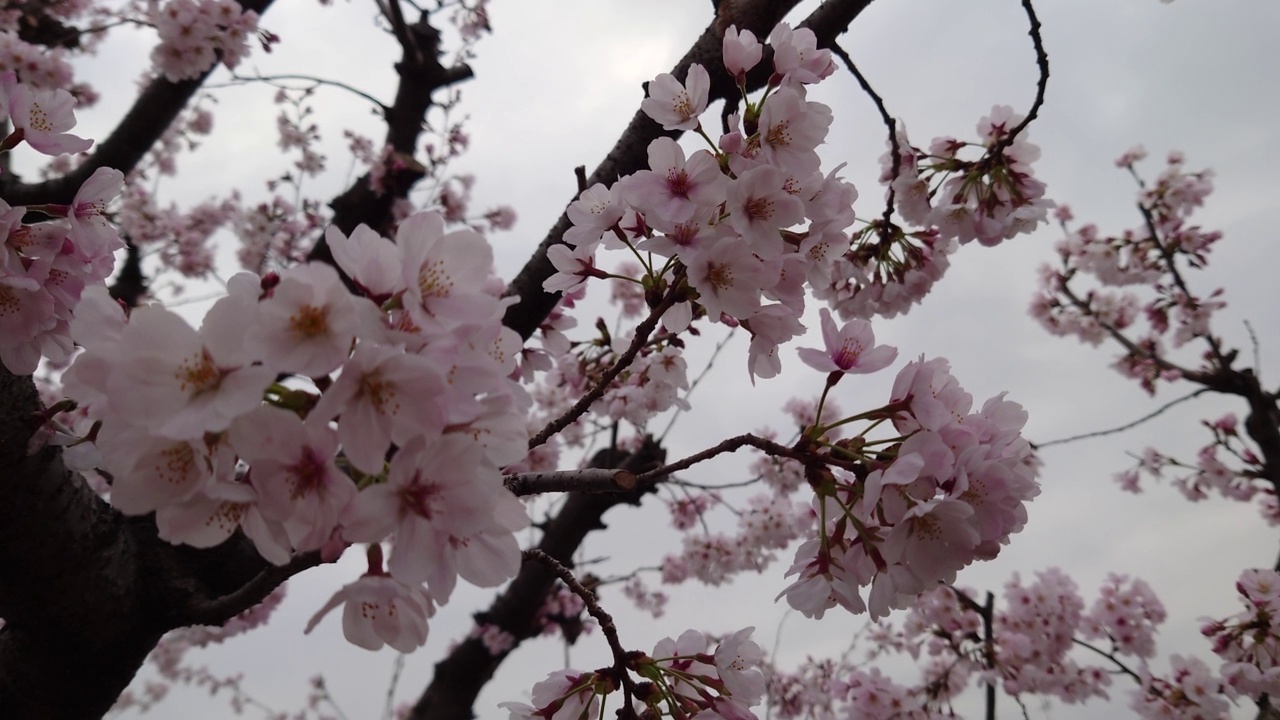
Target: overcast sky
[[554, 87]]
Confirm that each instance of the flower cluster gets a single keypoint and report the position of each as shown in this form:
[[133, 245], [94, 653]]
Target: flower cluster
[[46, 266], [744, 226], [422, 365], [197, 34], [1249, 642], [950, 490], [682, 677], [948, 200], [1238, 478], [1034, 635], [1151, 254], [1191, 692]]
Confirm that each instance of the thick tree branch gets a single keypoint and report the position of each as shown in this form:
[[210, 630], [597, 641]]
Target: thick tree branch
[[151, 115], [421, 74], [88, 592], [629, 153]]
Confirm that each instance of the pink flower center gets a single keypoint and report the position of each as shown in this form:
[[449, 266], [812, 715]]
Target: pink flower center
[[308, 474], [758, 209], [678, 183], [847, 355], [778, 135], [199, 376], [419, 497], [179, 459], [433, 281], [720, 276], [377, 391], [309, 321]]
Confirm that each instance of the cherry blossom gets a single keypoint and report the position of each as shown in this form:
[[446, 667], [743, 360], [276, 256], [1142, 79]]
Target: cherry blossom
[[449, 513], [850, 349], [180, 383], [380, 610], [382, 396], [675, 106], [292, 467], [42, 117], [741, 52]]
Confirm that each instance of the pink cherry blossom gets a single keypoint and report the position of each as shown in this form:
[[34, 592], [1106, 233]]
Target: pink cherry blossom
[[850, 349], [445, 273], [564, 695], [438, 498], [573, 267], [382, 396], [796, 55], [770, 326], [741, 52], [759, 207], [152, 471], [791, 129], [43, 117], [291, 465], [308, 323], [380, 610], [180, 383], [210, 517], [738, 658], [728, 278], [93, 236], [595, 211], [371, 260], [675, 106], [673, 189]]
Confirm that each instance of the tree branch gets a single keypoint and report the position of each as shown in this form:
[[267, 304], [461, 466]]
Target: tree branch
[[469, 667], [587, 480], [629, 153], [151, 115]]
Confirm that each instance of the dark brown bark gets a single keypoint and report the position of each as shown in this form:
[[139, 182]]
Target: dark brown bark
[[87, 592]]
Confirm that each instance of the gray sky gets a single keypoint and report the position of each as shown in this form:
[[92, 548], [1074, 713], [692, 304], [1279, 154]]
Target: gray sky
[[555, 85]]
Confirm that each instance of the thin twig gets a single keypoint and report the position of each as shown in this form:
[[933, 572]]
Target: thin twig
[[730, 445], [1119, 665], [1126, 426], [643, 331], [888, 122], [593, 608], [237, 80], [1042, 62], [1253, 341], [388, 711]]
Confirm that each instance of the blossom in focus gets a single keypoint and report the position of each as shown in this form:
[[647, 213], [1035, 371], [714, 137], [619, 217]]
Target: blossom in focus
[[849, 349], [675, 106]]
